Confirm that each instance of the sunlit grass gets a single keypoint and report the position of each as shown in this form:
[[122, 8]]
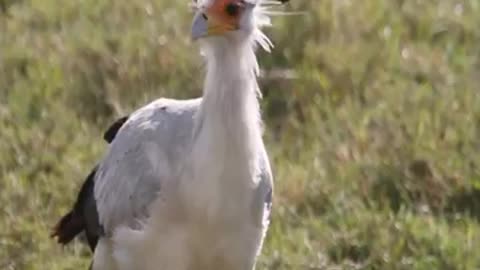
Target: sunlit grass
[[374, 141]]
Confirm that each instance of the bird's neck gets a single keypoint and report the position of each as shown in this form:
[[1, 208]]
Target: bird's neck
[[229, 115], [230, 89], [227, 133]]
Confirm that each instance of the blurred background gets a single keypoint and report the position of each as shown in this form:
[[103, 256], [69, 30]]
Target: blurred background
[[372, 111]]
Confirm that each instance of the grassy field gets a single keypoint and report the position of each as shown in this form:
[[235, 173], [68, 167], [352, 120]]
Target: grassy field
[[374, 140]]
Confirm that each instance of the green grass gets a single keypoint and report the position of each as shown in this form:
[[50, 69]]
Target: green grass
[[374, 143]]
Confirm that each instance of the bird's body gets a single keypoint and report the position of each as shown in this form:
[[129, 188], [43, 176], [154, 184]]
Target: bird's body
[[186, 184], [193, 200]]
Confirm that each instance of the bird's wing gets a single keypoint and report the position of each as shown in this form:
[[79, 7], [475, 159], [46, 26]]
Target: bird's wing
[[141, 159], [264, 194], [84, 216]]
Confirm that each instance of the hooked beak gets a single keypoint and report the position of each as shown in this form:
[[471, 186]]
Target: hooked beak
[[199, 26], [204, 26]]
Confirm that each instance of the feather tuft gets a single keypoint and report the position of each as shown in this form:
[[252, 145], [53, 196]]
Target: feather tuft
[[263, 11]]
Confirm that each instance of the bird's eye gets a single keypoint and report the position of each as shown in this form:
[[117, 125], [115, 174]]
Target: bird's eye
[[232, 9]]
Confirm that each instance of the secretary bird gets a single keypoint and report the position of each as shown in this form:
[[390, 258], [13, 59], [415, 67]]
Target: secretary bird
[[187, 184]]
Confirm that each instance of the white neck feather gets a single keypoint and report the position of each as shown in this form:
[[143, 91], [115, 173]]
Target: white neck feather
[[227, 131], [230, 91]]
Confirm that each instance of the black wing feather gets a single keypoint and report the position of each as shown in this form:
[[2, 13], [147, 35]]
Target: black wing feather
[[84, 215], [112, 131]]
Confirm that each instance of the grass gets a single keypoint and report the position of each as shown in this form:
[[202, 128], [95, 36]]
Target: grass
[[374, 141]]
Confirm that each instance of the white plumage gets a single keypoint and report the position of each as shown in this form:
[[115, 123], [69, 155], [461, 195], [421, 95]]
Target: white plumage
[[187, 185]]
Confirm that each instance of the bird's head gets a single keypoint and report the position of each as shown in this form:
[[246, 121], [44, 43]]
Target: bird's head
[[232, 20]]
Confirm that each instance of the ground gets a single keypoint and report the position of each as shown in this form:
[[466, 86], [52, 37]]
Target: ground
[[372, 116]]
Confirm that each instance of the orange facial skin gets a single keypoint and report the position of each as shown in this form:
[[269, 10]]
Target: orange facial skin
[[226, 13]]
